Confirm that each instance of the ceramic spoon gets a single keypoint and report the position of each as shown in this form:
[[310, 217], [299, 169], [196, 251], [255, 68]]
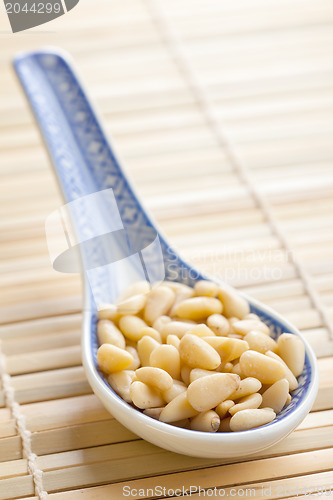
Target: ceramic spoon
[[106, 214]]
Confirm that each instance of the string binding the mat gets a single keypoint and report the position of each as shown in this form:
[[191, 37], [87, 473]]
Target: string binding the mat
[[23, 432]]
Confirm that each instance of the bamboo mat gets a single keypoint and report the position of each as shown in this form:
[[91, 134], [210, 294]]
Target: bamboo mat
[[223, 115]]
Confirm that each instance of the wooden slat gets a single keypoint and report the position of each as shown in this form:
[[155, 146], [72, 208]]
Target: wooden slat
[[216, 476], [125, 450], [40, 326], [38, 361], [41, 309], [49, 385], [41, 342], [125, 466]]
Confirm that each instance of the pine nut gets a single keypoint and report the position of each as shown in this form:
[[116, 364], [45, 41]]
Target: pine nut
[[121, 382], [218, 324], [227, 348], [248, 419], [207, 421], [275, 396], [260, 366], [237, 370], [166, 357], [225, 367], [132, 305], [178, 409], [288, 374], [225, 425], [176, 287], [159, 301], [198, 373], [246, 387], [113, 359], [223, 408], [201, 330], [235, 336], [231, 321], [160, 322], [144, 396], [173, 340], [252, 316], [251, 401], [233, 304], [108, 333], [197, 353], [292, 351], [207, 392], [107, 311], [174, 391], [259, 341], [153, 412], [198, 308], [182, 293], [131, 326], [136, 360], [151, 332], [145, 347], [248, 325], [156, 377], [205, 288], [178, 328], [185, 372]]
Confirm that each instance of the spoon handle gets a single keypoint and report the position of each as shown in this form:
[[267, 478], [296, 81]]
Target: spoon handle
[[85, 164], [83, 158]]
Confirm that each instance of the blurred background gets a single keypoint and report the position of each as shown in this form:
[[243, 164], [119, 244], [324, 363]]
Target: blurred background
[[222, 113]]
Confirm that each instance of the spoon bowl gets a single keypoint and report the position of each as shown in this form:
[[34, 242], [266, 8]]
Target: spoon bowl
[[118, 243]]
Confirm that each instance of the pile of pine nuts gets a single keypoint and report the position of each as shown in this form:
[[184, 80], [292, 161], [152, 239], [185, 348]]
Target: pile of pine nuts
[[196, 357]]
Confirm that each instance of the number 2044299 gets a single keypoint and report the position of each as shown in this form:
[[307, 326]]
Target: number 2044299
[[35, 8]]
